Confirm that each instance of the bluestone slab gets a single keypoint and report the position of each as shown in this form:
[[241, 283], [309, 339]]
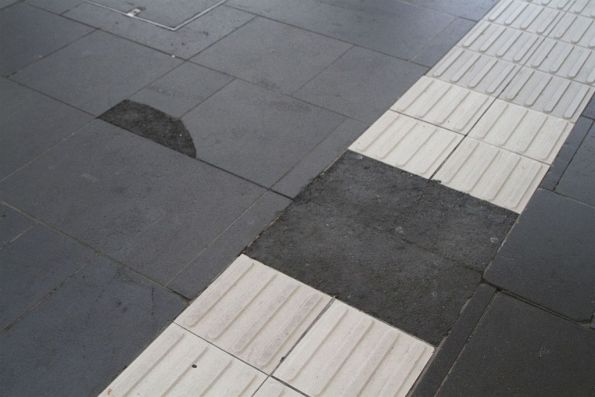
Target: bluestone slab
[[55, 6], [443, 42], [578, 180], [12, 225], [473, 10]]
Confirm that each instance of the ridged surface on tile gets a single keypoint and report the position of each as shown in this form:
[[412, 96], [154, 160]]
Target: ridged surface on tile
[[474, 71], [575, 29], [565, 60], [585, 8], [548, 94], [179, 363], [443, 104], [274, 388], [254, 312], [492, 174], [498, 41], [407, 143], [525, 16], [348, 353], [523, 131], [560, 5]]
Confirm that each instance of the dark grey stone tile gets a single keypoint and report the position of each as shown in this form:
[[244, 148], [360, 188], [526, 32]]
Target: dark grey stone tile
[[96, 72], [6, 3], [342, 235], [566, 153], [362, 84], [474, 10], [443, 42], [589, 111], [28, 34], [273, 55], [183, 43], [55, 6], [520, 350], [399, 29], [34, 265], [256, 133], [548, 256], [578, 181], [31, 124], [12, 225], [215, 258], [182, 89], [145, 205], [320, 158], [88, 331]]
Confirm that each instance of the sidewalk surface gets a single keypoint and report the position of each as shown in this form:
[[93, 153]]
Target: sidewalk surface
[[297, 198]]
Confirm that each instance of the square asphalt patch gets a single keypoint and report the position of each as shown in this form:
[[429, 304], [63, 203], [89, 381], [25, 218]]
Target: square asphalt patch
[[143, 204], [357, 232], [96, 72]]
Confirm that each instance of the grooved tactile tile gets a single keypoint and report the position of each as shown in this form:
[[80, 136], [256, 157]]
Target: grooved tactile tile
[[575, 29], [179, 363], [524, 16], [474, 71], [498, 41], [254, 312], [442, 104], [348, 353], [274, 388], [523, 131], [492, 174], [407, 143], [583, 7], [548, 94], [564, 60], [561, 5]]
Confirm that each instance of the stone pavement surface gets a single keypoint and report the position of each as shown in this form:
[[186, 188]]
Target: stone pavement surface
[[180, 213]]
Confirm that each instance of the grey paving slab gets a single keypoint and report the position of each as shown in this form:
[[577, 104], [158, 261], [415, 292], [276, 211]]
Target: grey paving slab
[[31, 124], [273, 55], [96, 72], [12, 225], [182, 89], [548, 256], [578, 180], [55, 6], [145, 205], [183, 43], [28, 34], [474, 10], [566, 153], [6, 3], [520, 350], [344, 235], [320, 158], [255, 133], [34, 265], [85, 334], [362, 84], [215, 258], [398, 29], [589, 111]]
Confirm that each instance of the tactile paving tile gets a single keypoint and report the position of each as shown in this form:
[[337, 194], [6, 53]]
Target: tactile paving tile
[[406, 143], [564, 60], [549, 94], [254, 312], [492, 174], [274, 388], [523, 131], [523, 15], [498, 41], [561, 5], [474, 71], [179, 363], [575, 29], [443, 104], [348, 353], [585, 8]]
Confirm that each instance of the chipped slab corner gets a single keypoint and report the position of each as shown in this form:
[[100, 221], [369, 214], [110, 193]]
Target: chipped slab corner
[[254, 312], [179, 363], [348, 353]]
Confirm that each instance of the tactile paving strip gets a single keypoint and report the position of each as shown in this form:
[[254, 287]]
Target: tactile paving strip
[[525, 16], [274, 388], [575, 29], [565, 60]]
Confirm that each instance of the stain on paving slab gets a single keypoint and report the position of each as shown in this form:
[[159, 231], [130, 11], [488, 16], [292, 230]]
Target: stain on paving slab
[[397, 246], [152, 124]]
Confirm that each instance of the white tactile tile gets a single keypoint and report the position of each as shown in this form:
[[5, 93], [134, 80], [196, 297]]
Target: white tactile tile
[[549, 94], [254, 312], [565, 60], [179, 363], [445, 105], [561, 5], [498, 41], [348, 353], [484, 171], [585, 8], [523, 15], [474, 71], [523, 131], [274, 388], [407, 143], [575, 29]]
